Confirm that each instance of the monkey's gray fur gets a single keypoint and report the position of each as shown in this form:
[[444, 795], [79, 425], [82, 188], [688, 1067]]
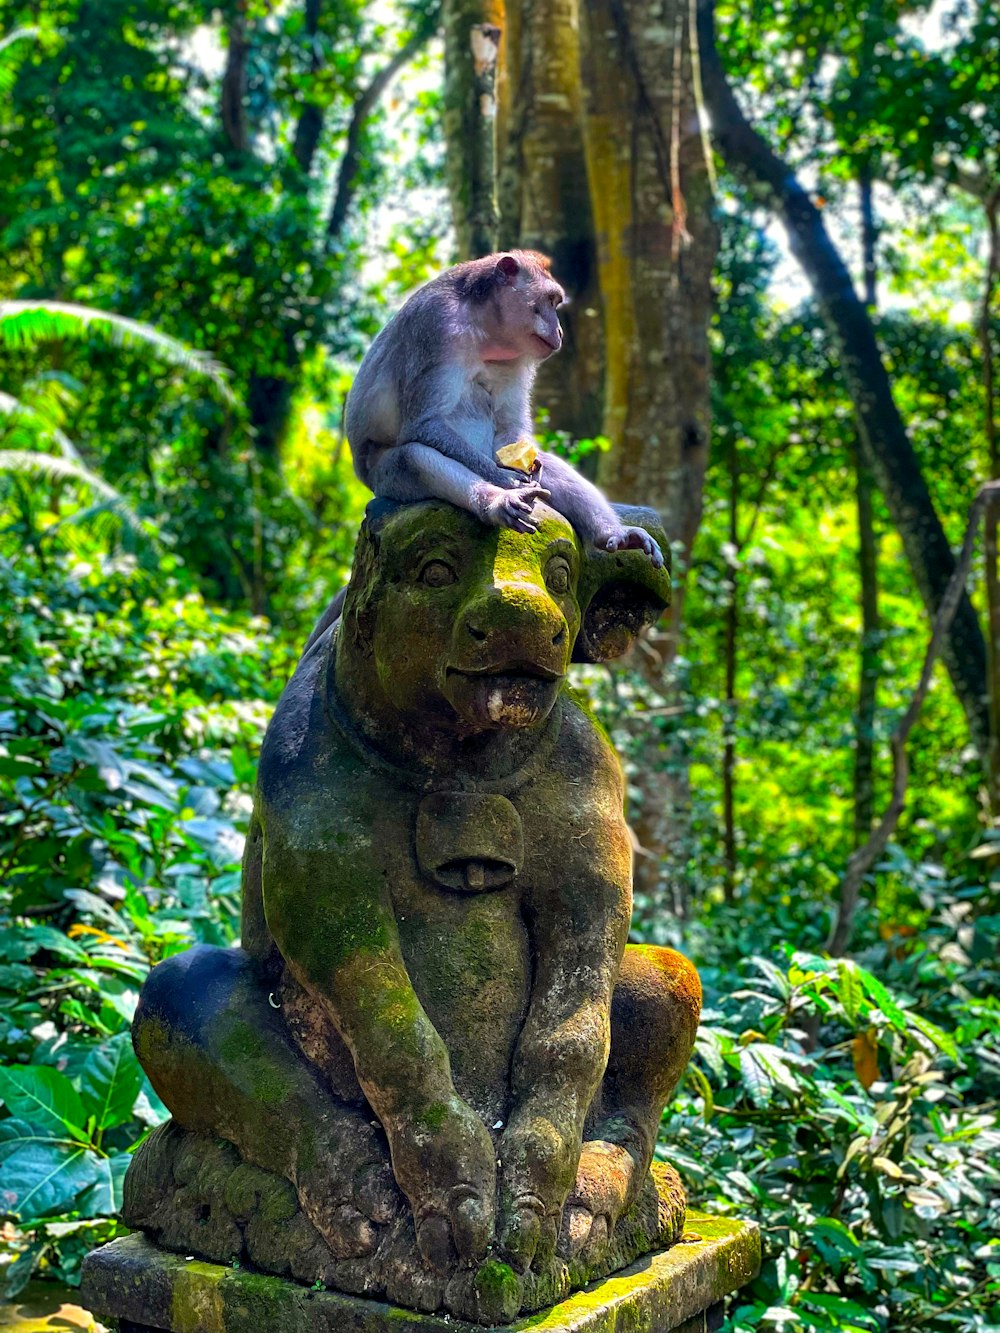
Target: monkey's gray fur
[[448, 382]]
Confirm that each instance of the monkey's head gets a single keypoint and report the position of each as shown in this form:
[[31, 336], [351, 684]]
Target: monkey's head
[[515, 299], [472, 627]]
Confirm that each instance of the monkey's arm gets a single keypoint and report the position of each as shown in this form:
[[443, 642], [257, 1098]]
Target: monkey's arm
[[586, 508]]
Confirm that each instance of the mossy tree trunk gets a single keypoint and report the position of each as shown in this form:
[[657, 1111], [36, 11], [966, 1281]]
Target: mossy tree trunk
[[468, 121]]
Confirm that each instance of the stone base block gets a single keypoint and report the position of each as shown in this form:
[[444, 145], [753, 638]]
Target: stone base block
[[144, 1289]]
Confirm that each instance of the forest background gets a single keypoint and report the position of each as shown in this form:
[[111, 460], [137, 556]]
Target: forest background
[[206, 212]]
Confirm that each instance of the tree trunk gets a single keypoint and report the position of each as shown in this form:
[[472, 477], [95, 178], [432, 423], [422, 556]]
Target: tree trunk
[[470, 170], [883, 435], [870, 653], [232, 100], [544, 198]]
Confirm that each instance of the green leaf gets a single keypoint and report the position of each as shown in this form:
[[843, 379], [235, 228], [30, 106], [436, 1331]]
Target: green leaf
[[882, 998], [849, 989], [41, 1175], [703, 1089], [756, 1079], [942, 1040], [110, 1081], [45, 1098], [104, 1198]]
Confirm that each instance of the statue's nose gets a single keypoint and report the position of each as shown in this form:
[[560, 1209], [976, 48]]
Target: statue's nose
[[521, 613]]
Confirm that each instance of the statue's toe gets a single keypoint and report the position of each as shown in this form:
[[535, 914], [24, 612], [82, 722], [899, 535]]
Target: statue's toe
[[577, 1224]]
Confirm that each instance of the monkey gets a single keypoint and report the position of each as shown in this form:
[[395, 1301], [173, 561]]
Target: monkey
[[447, 383]]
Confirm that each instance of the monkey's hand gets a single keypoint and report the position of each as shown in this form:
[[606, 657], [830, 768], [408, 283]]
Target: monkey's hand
[[629, 539], [510, 509]]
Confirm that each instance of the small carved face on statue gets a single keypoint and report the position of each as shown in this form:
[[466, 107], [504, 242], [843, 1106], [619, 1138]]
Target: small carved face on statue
[[473, 627]]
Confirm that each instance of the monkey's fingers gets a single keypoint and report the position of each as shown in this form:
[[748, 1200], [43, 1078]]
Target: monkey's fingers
[[635, 539]]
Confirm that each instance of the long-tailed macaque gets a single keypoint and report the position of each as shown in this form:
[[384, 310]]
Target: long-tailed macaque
[[447, 383]]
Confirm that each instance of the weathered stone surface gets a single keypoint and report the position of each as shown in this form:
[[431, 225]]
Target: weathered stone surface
[[676, 1291], [434, 1072]]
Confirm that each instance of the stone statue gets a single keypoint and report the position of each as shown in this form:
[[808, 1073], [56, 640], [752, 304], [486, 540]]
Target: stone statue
[[434, 1072]]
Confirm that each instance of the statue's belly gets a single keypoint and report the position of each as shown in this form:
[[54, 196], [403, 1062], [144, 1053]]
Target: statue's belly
[[468, 958]]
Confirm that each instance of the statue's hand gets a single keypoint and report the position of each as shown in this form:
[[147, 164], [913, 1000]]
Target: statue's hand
[[443, 1160], [537, 1166]]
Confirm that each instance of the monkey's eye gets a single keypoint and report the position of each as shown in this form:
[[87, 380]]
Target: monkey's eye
[[558, 575], [437, 574]]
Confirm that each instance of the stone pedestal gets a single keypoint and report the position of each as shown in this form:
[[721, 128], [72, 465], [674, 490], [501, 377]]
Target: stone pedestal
[[144, 1289]]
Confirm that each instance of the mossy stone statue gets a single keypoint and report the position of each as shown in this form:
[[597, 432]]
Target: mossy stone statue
[[434, 1072]]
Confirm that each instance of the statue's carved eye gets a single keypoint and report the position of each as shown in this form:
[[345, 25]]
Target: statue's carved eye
[[558, 575], [437, 574]]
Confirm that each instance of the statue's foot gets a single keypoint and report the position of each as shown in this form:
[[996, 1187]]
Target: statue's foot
[[616, 1210], [446, 1166]]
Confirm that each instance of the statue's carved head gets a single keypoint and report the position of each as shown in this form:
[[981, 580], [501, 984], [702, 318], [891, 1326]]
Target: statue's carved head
[[478, 625]]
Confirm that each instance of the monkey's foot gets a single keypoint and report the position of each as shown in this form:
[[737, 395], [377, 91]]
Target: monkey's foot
[[630, 539], [513, 509]]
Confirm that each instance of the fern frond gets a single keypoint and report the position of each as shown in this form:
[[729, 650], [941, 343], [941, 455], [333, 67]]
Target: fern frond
[[17, 35], [9, 63], [12, 407], [24, 324], [21, 462]]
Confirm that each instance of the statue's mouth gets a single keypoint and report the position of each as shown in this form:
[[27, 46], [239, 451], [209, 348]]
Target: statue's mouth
[[515, 695]]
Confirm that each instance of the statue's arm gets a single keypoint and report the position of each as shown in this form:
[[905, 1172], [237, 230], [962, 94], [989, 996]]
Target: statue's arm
[[334, 926], [579, 933]]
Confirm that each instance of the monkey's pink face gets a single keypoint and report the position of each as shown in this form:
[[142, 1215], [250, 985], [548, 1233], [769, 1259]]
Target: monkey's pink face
[[526, 318]]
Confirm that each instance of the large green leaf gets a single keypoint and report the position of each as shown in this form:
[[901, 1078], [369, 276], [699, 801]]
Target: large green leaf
[[110, 1081], [45, 1098], [40, 1175]]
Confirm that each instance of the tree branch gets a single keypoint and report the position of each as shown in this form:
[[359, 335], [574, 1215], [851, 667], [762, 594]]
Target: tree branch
[[350, 163], [862, 861]]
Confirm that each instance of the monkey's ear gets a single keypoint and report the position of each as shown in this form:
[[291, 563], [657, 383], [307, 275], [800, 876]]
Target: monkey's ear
[[506, 270], [621, 592]]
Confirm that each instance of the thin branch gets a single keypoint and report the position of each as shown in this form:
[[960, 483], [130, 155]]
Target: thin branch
[[862, 861], [350, 163]]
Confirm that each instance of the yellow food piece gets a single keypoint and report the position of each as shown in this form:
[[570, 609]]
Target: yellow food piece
[[522, 454]]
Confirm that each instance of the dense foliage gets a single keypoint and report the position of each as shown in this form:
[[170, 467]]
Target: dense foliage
[[162, 559]]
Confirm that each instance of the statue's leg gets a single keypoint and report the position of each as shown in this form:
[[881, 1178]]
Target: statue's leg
[[220, 1056], [654, 1019]]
